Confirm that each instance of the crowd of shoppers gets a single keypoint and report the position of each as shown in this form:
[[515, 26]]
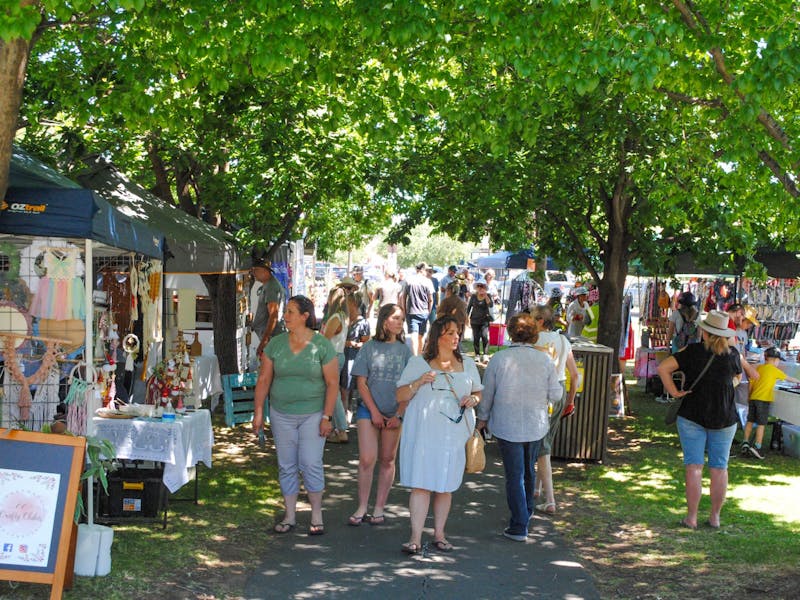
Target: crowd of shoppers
[[418, 400]]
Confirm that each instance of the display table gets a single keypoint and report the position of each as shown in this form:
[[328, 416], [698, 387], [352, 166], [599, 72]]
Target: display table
[[206, 382], [180, 445], [786, 405]]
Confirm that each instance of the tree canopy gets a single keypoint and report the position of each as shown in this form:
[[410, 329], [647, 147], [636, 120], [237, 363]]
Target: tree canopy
[[602, 131]]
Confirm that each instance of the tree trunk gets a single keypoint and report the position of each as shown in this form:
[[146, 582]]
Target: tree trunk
[[13, 65], [224, 314]]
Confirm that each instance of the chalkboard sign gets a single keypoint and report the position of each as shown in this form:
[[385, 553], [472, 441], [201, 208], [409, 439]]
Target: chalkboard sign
[[39, 483]]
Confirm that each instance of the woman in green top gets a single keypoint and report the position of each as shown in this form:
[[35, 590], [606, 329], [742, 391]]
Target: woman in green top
[[300, 374]]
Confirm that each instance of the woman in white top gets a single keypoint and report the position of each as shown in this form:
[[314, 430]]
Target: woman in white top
[[438, 388], [558, 348]]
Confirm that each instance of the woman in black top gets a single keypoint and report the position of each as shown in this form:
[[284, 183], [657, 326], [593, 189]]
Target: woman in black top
[[707, 417], [480, 311]]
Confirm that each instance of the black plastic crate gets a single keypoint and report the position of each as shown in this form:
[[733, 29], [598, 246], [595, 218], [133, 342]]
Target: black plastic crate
[[133, 492]]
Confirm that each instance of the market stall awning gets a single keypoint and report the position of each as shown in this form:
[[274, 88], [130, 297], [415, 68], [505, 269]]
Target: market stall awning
[[506, 260], [42, 202], [191, 245]]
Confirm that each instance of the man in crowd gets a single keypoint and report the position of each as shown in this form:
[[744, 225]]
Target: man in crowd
[[269, 304], [364, 293], [447, 280], [417, 299]]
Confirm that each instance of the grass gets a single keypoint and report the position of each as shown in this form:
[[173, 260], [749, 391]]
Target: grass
[[620, 516]]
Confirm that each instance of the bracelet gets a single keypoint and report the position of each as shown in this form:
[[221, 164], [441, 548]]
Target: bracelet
[[399, 417], [412, 388]]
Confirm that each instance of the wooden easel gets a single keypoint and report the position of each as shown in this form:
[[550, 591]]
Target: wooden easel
[[61, 455]]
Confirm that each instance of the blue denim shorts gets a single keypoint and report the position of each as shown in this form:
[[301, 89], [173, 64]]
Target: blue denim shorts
[[417, 324], [362, 412], [696, 440]]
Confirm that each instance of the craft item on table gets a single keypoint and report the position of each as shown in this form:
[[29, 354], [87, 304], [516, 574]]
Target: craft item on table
[[14, 366], [106, 380], [60, 294], [130, 345]]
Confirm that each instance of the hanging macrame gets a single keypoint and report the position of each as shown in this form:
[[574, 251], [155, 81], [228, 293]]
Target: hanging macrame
[[78, 399], [14, 367]]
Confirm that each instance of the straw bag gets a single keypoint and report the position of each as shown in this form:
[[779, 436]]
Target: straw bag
[[476, 457]]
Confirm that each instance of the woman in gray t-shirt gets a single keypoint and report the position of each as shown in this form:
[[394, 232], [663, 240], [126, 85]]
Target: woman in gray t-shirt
[[377, 368]]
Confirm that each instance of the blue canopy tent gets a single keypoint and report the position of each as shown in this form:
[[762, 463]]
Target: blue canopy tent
[[506, 260], [42, 202]]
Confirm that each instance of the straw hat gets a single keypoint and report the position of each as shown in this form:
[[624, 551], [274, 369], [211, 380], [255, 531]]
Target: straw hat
[[750, 315], [716, 322], [348, 281]]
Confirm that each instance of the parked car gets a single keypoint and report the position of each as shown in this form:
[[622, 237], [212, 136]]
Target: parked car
[[564, 281]]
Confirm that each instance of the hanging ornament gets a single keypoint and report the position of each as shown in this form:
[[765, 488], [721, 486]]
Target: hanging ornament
[[130, 345]]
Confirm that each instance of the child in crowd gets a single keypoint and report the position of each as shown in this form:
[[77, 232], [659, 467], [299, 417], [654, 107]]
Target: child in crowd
[[762, 393]]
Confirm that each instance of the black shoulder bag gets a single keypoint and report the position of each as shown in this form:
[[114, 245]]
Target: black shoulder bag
[[672, 409]]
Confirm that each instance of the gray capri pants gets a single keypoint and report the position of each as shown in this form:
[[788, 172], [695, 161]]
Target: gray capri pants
[[299, 447], [555, 420]]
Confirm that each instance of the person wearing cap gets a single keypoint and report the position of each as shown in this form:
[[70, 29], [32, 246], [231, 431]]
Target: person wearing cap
[[683, 323], [269, 307], [480, 314], [762, 394], [417, 299], [364, 293], [707, 417], [578, 313]]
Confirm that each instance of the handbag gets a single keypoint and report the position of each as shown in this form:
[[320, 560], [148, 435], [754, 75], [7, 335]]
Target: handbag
[[474, 448], [476, 456], [672, 409]]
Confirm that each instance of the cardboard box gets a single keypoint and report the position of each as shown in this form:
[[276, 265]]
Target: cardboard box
[[791, 439], [133, 492]]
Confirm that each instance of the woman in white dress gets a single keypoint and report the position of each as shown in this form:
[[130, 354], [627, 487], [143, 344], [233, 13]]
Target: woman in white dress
[[441, 388]]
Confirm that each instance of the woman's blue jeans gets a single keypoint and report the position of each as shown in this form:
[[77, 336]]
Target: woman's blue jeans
[[519, 463]]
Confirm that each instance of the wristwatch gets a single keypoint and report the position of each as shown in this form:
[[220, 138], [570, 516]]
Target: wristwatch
[[399, 417], [327, 417]]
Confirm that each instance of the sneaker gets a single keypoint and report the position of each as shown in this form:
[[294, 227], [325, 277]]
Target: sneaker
[[755, 452], [517, 537], [744, 449], [486, 358]]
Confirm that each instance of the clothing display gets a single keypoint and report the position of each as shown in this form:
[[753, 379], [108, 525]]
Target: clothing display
[[60, 293]]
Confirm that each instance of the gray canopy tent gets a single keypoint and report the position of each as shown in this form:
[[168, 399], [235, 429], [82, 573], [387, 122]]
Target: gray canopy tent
[[191, 245]]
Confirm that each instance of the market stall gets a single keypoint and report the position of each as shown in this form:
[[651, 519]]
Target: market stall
[[55, 238]]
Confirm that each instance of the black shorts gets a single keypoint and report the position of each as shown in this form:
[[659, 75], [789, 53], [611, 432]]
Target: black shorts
[[758, 412]]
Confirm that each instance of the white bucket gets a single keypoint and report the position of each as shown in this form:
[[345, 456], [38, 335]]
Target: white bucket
[[93, 550]]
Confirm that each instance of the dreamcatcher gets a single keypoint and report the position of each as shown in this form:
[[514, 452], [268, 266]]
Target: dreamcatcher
[[130, 345], [79, 397]]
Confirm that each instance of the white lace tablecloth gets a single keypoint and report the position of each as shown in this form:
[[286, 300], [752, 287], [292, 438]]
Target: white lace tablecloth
[[179, 445]]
